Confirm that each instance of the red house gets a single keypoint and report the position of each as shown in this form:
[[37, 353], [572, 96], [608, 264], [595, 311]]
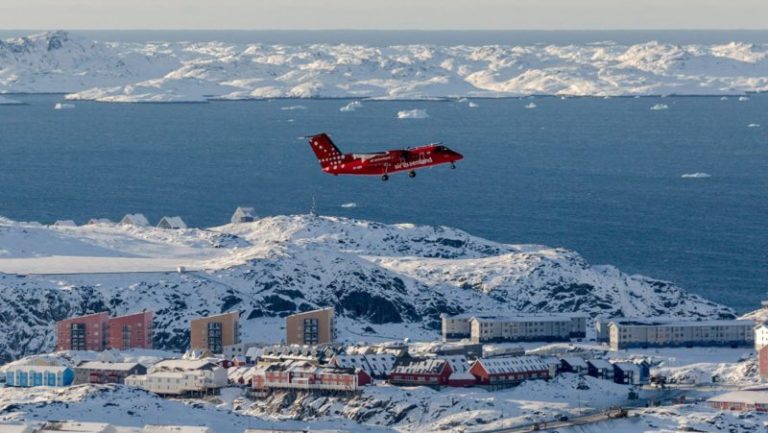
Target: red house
[[506, 372], [429, 372], [99, 332]]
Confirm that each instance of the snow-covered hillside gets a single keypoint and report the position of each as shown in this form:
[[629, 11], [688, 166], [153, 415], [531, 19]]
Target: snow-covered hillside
[[195, 71], [383, 280]]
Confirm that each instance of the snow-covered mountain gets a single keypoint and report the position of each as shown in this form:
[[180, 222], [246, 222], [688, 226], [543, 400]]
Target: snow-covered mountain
[[194, 71], [383, 280]]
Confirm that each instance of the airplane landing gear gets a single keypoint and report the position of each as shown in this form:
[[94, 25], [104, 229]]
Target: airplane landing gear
[[385, 178], [453, 166], [411, 173]]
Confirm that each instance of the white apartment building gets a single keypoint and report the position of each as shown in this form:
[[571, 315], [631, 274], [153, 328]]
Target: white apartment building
[[181, 377], [626, 333], [519, 327]]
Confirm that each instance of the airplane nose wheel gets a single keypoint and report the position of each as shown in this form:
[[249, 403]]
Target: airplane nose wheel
[[453, 166], [385, 178], [411, 173]]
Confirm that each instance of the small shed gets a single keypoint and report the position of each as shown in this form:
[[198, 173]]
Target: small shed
[[174, 222], [243, 215], [64, 223], [135, 219]]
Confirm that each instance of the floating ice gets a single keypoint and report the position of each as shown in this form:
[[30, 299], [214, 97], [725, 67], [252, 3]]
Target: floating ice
[[8, 101], [658, 107], [352, 106], [417, 113], [743, 98], [63, 106], [472, 105], [293, 107], [724, 98], [753, 125], [530, 106], [697, 175], [349, 205]]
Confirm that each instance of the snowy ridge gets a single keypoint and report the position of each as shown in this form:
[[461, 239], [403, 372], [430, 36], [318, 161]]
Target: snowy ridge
[[200, 71], [384, 280]]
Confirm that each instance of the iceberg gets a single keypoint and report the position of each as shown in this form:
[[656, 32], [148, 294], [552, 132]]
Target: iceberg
[[743, 98], [472, 105], [349, 205], [530, 106], [417, 113], [352, 106], [697, 175], [753, 125], [63, 106], [659, 107], [293, 108]]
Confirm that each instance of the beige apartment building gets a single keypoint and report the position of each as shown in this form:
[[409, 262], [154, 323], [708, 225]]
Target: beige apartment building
[[311, 327], [627, 333], [214, 332], [521, 327]]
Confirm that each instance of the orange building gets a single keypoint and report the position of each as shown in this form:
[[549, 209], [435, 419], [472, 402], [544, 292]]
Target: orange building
[[99, 332], [311, 327], [214, 332]]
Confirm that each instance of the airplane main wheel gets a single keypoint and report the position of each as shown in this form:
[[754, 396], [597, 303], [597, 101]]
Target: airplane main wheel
[[385, 178], [453, 166], [411, 173]]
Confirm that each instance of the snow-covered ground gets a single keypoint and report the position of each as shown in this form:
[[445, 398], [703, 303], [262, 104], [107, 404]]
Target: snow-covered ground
[[385, 281], [200, 71]]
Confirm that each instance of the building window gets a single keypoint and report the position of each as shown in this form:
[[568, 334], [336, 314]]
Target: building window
[[215, 337], [311, 331], [126, 336], [77, 336]]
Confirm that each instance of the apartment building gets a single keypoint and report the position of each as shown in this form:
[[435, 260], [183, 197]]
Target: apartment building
[[311, 327], [213, 333], [100, 332], [519, 327], [627, 333], [181, 377]]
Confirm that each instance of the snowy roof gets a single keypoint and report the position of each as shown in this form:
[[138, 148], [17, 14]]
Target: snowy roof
[[680, 323], [114, 366], [175, 429], [748, 397], [601, 364], [373, 364], [459, 363], [627, 366], [136, 219], [517, 364], [427, 366], [575, 361], [173, 222], [464, 375], [182, 365], [518, 316], [38, 368]]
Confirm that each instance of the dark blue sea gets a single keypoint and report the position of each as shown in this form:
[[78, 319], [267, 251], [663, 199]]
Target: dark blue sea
[[600, 176]]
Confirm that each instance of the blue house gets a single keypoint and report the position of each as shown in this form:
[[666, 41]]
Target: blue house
[[25, 376]]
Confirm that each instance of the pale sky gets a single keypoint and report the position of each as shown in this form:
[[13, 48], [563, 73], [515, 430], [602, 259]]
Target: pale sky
[[384, 14]]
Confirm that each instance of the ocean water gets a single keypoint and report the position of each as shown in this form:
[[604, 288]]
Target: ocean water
[[600, 176]]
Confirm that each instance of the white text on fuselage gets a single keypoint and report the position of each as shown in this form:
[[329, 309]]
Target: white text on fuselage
[[409, 164]]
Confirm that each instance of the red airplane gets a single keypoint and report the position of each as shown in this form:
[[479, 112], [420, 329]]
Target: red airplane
[[379, 163]]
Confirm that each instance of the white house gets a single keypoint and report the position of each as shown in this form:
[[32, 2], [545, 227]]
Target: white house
[[243, 215], [761, 336], [64, 223], [174, 222], [135, 219], [181, 377]]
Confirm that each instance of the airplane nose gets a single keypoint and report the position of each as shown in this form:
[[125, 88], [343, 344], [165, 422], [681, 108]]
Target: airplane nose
[[457, 156]]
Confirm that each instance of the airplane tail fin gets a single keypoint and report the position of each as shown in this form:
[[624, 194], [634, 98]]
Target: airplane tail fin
[[324, 149]]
